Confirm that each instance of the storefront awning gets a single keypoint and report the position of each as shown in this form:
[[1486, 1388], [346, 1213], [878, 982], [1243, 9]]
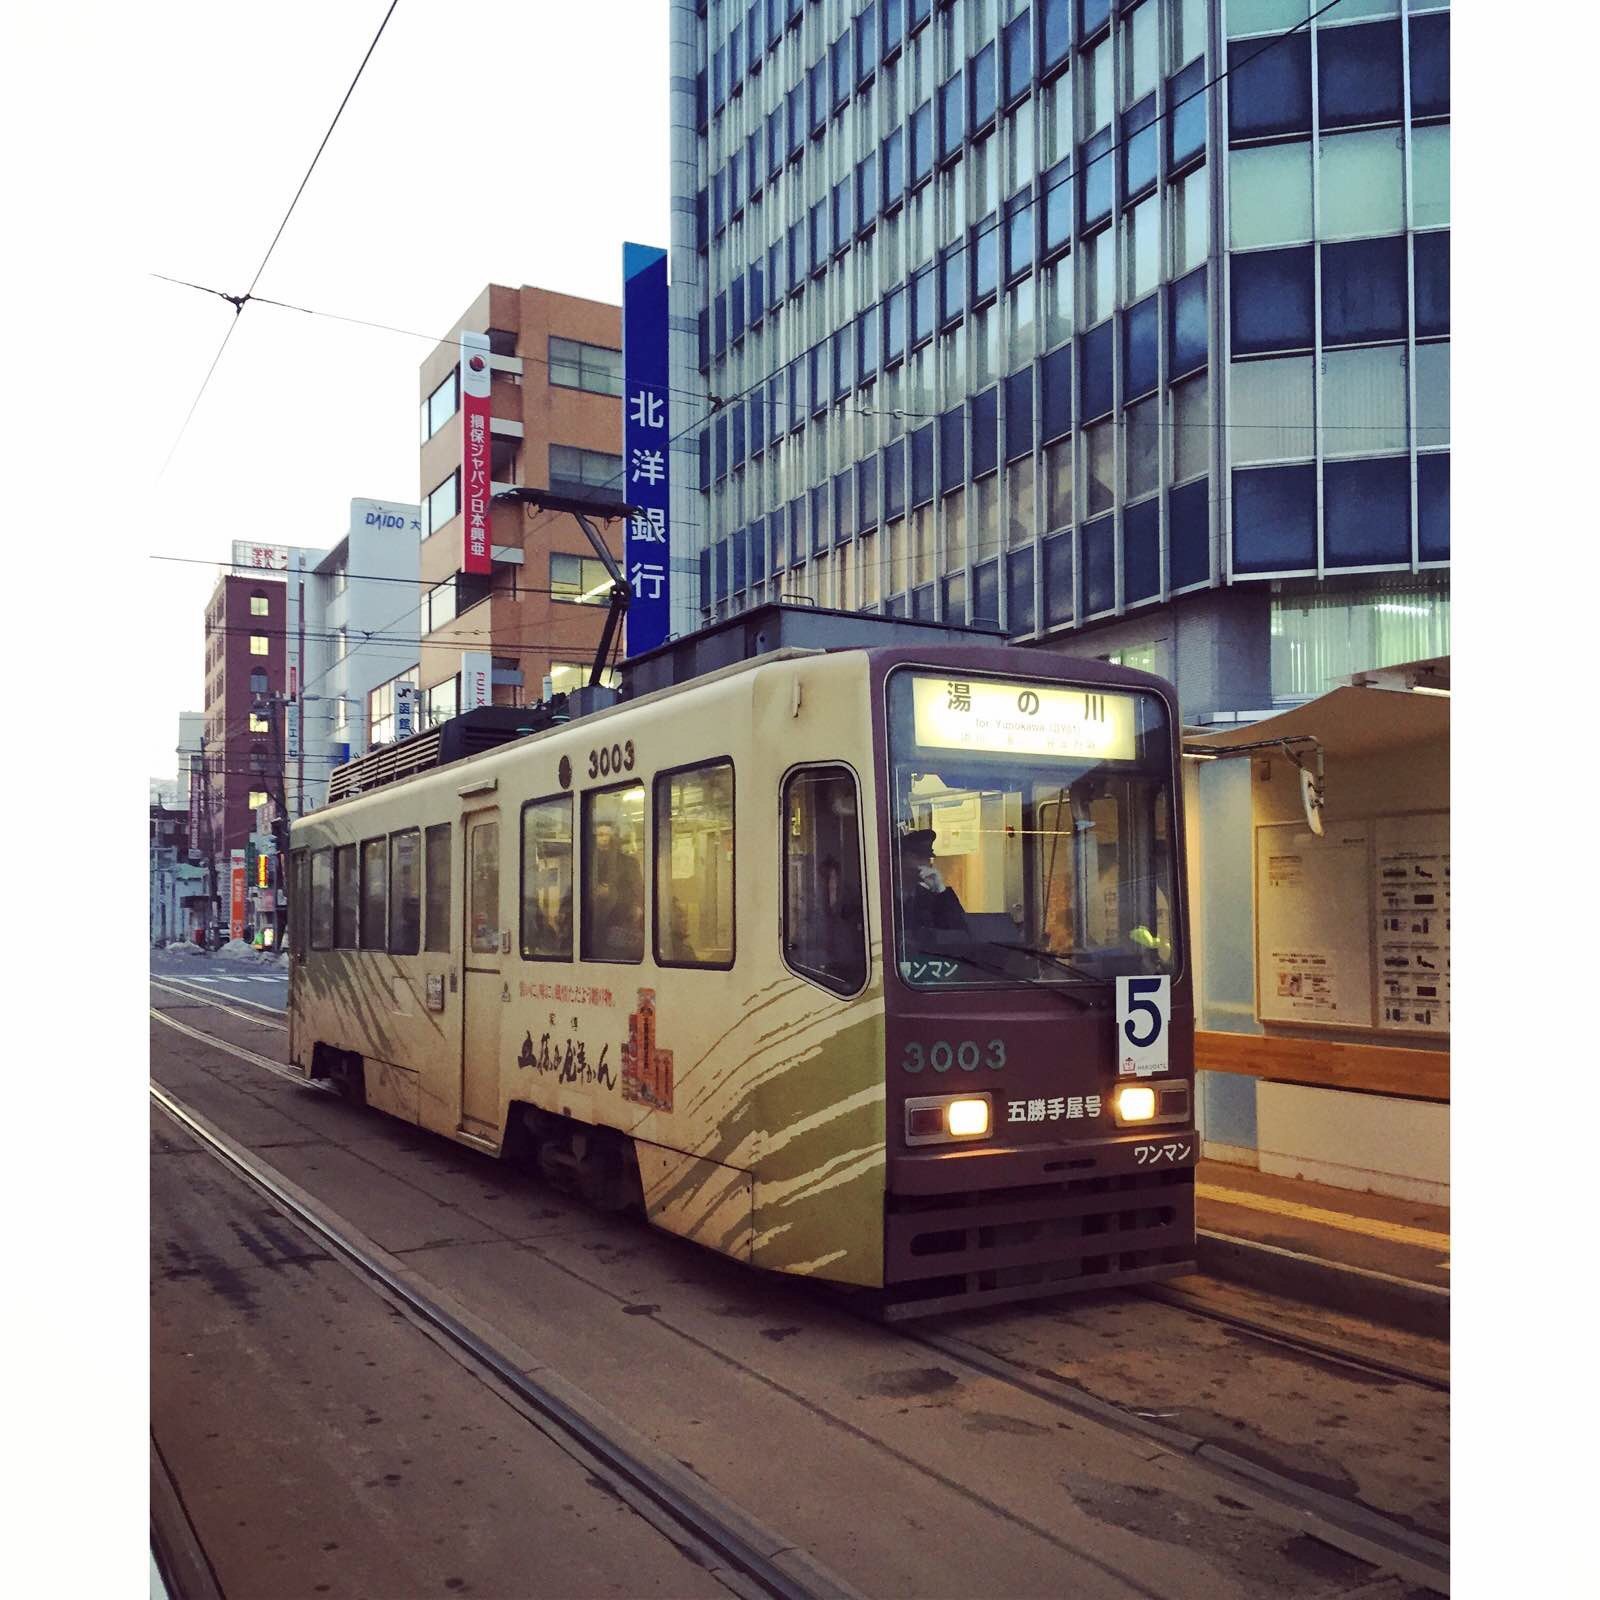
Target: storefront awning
[[1345, 722]]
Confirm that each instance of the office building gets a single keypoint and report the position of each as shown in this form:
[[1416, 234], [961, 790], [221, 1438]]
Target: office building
[[358, 641], [1124, 328]]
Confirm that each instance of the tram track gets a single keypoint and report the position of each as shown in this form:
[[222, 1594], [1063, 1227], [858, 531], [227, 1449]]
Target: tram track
[[1349, 1525], [1389, 1543], [1347, 1356], [749, 1559]]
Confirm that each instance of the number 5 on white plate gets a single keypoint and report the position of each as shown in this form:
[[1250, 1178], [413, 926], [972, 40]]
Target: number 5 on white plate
[[1144, 1006]]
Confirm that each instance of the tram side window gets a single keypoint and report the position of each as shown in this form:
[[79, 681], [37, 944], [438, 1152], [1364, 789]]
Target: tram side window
[[694, 867], [438, 887], [405, 892], [345, 897], [374, 892], [824, 928], [613, 881], [322, 899], [547, 880]]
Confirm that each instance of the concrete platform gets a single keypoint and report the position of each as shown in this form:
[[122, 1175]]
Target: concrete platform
[[1369, 1254]]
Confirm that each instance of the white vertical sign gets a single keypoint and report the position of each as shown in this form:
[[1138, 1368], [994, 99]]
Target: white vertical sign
[[1144, 1008], [477, 679], [405, 710]]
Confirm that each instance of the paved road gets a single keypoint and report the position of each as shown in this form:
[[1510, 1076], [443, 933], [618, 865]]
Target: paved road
[[265, 982], [781, 1400]]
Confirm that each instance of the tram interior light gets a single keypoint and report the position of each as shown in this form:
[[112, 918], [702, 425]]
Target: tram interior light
[[968, 1119], [1136, 1102]]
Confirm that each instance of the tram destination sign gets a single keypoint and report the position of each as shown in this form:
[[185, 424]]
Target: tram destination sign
[[1016, 717]]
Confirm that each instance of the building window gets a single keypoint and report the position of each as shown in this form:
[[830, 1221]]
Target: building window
[[585, 366], [571, 468], [258, 723], [565, 676], [258, 798], [259, 604], [339, 579], [1272, 409], [258, 682], [580, 580], [441, 702], [1318, 639], [443, 502], [259, 644], [1269, 194], [442, 404]]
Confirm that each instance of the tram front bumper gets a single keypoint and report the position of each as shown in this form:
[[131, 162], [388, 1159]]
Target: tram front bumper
[[960, 1169]]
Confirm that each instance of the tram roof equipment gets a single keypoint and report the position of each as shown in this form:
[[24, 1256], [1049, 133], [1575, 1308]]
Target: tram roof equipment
[[764, 631]]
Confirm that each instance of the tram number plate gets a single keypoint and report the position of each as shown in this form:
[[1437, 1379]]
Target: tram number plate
[[1173, 1153]]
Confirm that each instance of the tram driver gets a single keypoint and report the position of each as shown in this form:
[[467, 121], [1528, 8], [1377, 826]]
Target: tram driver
[[927, 904]]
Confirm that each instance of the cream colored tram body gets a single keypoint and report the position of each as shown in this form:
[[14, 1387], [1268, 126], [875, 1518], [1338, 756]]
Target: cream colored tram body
[[645, 951]]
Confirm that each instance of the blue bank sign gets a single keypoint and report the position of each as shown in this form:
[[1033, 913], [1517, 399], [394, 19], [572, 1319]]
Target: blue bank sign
[[645, 445]]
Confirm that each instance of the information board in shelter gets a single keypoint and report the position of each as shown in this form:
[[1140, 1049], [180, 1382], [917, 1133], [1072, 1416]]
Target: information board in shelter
[[1313, 925], [1412, 891]]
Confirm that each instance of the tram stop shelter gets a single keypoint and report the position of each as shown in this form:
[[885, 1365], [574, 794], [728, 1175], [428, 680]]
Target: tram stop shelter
[[1322, 934]]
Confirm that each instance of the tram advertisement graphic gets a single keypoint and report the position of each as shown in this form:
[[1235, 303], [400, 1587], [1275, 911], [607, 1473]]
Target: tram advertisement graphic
[[567, 1058], [646, 1070]]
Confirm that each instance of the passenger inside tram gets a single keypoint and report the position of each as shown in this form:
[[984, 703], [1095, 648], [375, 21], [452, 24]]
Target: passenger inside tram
[[616, 899]]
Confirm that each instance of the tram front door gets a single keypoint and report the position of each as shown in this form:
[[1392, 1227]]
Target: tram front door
[[485, 945]]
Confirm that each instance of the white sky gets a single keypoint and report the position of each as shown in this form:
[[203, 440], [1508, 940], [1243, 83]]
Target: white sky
[[442, 176], [169, 137]]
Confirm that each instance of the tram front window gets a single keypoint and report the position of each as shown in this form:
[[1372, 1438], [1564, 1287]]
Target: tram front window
[[1033, 827]]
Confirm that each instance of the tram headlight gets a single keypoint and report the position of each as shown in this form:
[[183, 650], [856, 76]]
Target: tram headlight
[[1136, 1102], [968, 1119], [943, 1118]]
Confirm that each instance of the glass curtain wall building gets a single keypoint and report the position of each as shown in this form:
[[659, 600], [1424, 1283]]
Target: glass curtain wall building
[[1046, 315]]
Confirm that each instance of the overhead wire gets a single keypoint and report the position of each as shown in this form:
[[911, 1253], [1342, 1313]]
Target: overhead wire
[[239, 301], [717, 403]]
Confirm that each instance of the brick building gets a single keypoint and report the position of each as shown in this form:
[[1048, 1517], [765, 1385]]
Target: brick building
[[244, 665], [555, 368]]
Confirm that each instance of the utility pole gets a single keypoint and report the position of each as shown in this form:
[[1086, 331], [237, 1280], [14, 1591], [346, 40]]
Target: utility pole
[[280, 823], [296, 688]]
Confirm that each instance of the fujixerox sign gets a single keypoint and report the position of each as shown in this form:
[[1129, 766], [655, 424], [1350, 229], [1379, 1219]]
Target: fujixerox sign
[[477, 679]]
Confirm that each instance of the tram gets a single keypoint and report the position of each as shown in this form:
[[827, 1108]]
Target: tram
[[868, 965]]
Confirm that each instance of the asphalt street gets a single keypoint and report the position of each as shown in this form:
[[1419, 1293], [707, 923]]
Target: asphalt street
[[265, 982]]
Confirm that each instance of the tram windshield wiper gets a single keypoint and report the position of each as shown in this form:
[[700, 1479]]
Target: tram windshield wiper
[[1050, 955], [1082, 1002]]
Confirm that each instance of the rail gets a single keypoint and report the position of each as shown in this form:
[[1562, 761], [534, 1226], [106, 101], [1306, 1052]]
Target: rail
[[750, 1560]]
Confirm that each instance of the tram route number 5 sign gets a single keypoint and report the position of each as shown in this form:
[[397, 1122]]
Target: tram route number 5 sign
[[1144, 1007]]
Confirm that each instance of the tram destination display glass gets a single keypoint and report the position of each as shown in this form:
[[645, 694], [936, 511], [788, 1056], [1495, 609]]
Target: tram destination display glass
[[1032, 828]]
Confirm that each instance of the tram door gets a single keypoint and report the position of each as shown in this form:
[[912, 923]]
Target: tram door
[[485, 952]]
